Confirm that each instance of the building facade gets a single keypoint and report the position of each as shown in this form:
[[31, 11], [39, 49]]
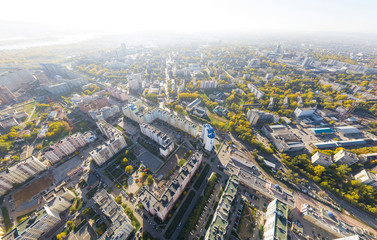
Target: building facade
[[208, 137]]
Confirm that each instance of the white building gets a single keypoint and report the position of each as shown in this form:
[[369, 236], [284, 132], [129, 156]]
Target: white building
[[304, 112], [208, 137], [132, 112], [345, 157], [208, 84], [367, 177], [104, 113], [253, 89], [282, 138], [348, 130], [321, 159]]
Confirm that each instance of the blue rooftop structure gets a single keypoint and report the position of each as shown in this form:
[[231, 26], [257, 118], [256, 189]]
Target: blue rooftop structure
[[322, 130], [210, 131]]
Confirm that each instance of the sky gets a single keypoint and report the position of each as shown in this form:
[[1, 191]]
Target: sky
[[118, 17]]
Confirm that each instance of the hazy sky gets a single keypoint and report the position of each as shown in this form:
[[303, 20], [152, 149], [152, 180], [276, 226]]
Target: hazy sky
[[113, 16]]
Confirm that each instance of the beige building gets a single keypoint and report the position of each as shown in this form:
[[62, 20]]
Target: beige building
[[367, 177], [345, 157]]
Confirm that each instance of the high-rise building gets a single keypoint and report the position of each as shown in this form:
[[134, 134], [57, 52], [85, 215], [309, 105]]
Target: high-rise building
[[6, 96], [208, 137], [166, 145], [276, 226], [19, 173], [161, 207]]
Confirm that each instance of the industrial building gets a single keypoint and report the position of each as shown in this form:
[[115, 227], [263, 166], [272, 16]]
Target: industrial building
[[283, 139], [304, 112], [322, 159], [190, 107], [345, 157], [367, 177], [255, 116]]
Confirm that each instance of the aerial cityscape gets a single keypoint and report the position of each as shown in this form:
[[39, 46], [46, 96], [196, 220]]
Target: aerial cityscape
[[159, 133]]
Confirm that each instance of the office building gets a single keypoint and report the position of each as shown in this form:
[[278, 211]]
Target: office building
[[367, 177], [282, 138], [19, 173], [255, 117], [161, 206], [345, 157], [276, 226], [220, 225], [166, 145], [121, 227], [208, 137], [322, 159]]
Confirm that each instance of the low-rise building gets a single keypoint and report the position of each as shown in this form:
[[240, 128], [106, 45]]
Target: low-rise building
[[322, 159], [345, 157], [193, 104], [104, 113], [161, 207], [276, 226], [220, 225], [348, 130], [367, 177], [304, 112], [283, 139], [367, 157]]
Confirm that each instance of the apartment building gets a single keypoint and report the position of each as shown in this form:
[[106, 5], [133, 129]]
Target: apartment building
[[97, 101], [208, 84], [133, 113], [121, 227], [44, 219], [322, 159], [276, 226], [253, 89], [161, 206], [112, 146], [65, 147], [208, 137], [104, 113], [19, 173], [118, 93], [166, 145], [219, 225]]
